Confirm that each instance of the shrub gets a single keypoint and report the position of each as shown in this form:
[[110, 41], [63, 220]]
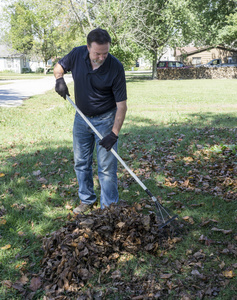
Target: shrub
[[39, 70], [26, 70]]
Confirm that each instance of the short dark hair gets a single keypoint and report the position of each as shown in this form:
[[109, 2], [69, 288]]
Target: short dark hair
[[99, 36]]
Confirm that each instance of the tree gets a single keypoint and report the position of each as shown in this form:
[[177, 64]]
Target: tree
[[209, 18], [21, 32], [39, 28], [228, 34], [157, 24]]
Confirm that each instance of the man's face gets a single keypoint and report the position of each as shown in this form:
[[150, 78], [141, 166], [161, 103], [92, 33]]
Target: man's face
[[98, 53]]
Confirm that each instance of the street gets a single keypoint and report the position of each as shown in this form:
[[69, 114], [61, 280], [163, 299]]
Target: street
[[14, 92]]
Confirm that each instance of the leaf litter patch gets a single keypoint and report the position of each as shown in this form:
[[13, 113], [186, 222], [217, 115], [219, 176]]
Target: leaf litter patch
[[93, 244]]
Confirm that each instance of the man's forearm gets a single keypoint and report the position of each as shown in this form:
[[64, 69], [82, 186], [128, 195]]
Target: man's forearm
[[58, 71], [119, 117]]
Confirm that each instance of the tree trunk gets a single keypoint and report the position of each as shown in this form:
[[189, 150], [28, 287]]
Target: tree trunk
[[154, 64]]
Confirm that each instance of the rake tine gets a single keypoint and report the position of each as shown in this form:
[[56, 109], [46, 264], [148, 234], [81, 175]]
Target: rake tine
[[167, 222]]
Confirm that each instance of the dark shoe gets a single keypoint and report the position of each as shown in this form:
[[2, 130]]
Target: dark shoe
[[82, 208]]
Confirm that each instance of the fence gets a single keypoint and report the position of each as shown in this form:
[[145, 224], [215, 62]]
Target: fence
[[197, 73]]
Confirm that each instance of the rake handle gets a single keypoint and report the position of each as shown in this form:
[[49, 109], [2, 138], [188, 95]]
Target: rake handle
[[113, 151]]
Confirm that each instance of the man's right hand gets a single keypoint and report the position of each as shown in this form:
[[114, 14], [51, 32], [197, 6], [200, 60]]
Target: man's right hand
[[61, 87]]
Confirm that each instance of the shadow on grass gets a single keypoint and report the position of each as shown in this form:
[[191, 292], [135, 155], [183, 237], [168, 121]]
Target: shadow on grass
[[37, 185], [34, 191]]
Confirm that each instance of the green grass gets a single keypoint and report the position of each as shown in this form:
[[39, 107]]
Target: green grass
[[179, 137]]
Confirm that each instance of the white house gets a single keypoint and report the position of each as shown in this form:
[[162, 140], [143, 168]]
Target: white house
[[10, 60]]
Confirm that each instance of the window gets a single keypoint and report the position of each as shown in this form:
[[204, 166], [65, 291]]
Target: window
[[24, 62], [171, 64], [179, 64], [196, 60], [161, 64]]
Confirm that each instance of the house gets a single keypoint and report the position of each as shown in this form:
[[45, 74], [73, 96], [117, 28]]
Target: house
[[195, 56], [168, 54], [11, 60]]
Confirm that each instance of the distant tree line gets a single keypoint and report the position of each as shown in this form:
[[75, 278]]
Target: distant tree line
[[51, 28]]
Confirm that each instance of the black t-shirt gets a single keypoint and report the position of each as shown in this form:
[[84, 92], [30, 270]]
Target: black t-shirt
[[97, 91]]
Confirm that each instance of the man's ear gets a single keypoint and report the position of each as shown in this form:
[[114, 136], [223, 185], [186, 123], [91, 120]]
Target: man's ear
[[88, 48]]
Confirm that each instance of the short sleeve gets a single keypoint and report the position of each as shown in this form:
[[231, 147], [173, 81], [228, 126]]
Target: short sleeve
[[119, 86]]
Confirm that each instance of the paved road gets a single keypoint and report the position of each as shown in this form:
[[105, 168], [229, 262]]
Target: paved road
[[15, 91]]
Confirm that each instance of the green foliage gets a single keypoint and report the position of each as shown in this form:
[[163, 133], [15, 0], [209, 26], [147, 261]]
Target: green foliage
[[50, 29], [39, 70], [208, 18], [21, 31], [228, 34]]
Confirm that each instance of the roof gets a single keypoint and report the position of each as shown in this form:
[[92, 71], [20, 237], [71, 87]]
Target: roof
[[185, 50], [193, 50], [6, 51]]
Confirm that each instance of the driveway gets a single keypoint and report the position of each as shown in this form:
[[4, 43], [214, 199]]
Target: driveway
[[15, 91]]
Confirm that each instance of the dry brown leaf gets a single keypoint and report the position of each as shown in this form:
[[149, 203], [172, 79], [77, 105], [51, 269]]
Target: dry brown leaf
[[3, 221], [221, 265], [165, 276], [222, 230], [68, 206], [121, 224], [116, 274], [18, 286], [195, 272], [35, 284], [7, 283]]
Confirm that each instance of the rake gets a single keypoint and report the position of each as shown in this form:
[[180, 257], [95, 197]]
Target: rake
[[163, 215]]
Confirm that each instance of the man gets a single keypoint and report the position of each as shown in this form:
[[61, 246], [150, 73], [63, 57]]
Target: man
[[100, 93]]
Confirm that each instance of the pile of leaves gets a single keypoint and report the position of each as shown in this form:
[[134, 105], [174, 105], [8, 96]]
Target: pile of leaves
[[93, 244]]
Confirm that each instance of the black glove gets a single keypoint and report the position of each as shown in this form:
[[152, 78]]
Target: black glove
[[109, 140], [61, 87]]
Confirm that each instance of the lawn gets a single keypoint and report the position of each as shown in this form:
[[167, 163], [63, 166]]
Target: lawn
[[179, 138]]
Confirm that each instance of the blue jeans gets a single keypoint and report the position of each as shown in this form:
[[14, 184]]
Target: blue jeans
[[84, 141]]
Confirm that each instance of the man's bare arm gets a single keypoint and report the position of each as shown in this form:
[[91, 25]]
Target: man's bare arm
[[58, 71], [120, 116]]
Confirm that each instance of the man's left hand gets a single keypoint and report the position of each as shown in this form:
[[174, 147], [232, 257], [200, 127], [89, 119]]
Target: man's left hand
[[109, 140]]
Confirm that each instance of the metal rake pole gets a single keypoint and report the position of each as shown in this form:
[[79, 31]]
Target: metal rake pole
[[159, 207]]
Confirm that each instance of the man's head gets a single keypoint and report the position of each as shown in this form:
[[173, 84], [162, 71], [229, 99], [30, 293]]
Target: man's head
[[98, 44]]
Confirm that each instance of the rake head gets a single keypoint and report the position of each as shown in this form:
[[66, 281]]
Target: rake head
[[164, 217]]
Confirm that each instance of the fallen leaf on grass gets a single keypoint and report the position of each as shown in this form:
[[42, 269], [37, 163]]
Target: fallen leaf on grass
[[116, 274], [188, 219], [35, 284], [176, 240], [197, 205], [6, 247], [165, 276], [24, 279], [228, 274], [42, 180], [68, 206], [3, 222], [204, 223], [18, 286], [222, 230], [36, 173], [7, 283], [195, 272], [221, 265], [21, 233], [2, 174]]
